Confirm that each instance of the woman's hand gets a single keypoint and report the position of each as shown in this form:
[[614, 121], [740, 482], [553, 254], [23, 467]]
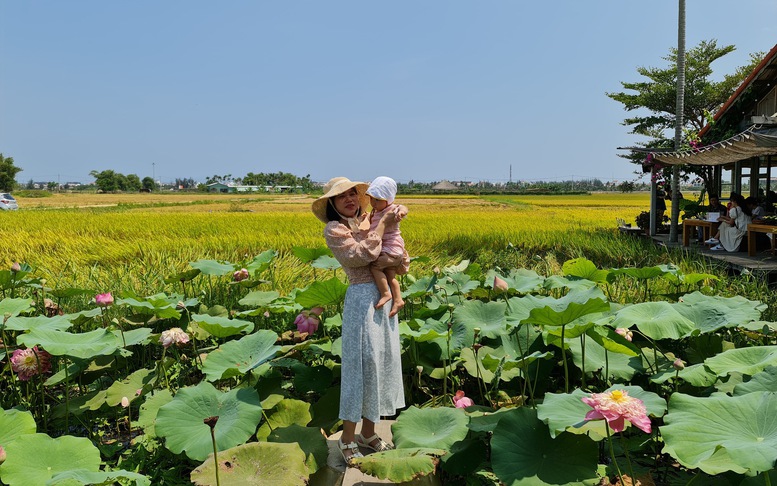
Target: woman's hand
[[387, 261]]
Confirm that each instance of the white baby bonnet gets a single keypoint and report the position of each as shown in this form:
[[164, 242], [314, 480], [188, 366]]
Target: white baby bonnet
[[383, 188]]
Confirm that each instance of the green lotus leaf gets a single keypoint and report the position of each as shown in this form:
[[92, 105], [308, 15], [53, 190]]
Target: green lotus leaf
[[420, 287], [326, 410], [222, 327], [566, 411], [524, 453], [491, 362], [258, 298], [261, 262], [213, 267], [84, 345], [285, 413], [696, 278], [558, 282], [311, 378], [14, 423], [710, 313], [162, 310], [80, 476], [241, 356], [461, 335], [747, 361], [612, 341], [434, 428], [422, 335], [459, 267], [572, 330], [149, 410], [463, 283], [33, 459], [265, 463], [656, 320], [466, 456], [620, 366], [520, 280], [521, 341], [310, 440], [766, 380], [132, 337], [696, 375], [565, 310], [641, 273], [89, 401], [180, 422], [14, 307], [475, 366], [307, 255], [326, 262], [140, 381], [56, 323], [185, 276], [482, 421], [584, 268], [699, 430], [400, 465], [488, 316], [328, 292]]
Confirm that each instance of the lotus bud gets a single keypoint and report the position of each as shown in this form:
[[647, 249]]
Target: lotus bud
[[477, 332], [138, 392], [678, 364], [306, 323], [104, 300], [124, 402], [16, 267], [500, 284], [2, 455], [436, 270], [419, 369], [266, 314], [240, 275], [180, 305], [628, 335]]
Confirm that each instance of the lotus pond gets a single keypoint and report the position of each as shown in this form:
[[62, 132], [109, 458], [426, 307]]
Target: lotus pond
[[589, 376]]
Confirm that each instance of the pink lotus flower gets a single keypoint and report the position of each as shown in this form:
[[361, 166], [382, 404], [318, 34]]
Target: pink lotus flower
[[104, 300], [16, 267], [174, 335], [615, 407], [240, 275], [625, 333], [124, 402], [29, 362], [306, 323], [2, 455], [500, 284], [460, 401]]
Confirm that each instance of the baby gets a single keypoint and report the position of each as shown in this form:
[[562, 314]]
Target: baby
[[382, 192]]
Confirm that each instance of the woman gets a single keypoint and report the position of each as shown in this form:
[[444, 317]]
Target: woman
[[371, 372], [732, 227]]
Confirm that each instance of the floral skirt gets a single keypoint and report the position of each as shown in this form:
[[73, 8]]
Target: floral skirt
[[371, 358]]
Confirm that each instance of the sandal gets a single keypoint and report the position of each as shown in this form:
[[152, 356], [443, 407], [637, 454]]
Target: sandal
[[367, 443], [353, 447]]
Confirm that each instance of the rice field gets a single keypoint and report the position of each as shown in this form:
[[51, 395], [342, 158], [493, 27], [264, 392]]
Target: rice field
[[134, 241]]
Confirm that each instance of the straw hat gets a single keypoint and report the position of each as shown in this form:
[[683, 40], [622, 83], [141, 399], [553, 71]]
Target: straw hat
[[335, 186]]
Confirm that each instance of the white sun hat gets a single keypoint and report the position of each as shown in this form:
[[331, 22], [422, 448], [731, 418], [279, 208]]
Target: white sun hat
[[335, 186], [383, 188]]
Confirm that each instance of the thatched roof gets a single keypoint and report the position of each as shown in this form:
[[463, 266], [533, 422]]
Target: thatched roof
[[444, 186]]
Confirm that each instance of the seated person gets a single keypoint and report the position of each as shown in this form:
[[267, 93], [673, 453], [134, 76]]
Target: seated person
[[756, 209], [714, 207], [732, 227]]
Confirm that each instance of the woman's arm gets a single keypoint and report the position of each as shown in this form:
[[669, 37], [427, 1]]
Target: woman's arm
[[349, 251]]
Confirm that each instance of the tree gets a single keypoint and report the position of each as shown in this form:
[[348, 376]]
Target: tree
[[106, 180], [148, 184], [658, 95], [8, 173]]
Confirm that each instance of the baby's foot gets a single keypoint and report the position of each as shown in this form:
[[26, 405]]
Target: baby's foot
[[383, 300], [396, 307]]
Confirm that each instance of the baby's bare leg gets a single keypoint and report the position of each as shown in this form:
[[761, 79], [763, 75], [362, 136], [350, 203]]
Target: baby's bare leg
[[396, 291], [381, 280]]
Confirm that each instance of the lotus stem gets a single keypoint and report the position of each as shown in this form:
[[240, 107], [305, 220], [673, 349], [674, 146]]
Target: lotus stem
[[628, 460], [612, 452], [582, 347], [211, 422], [564, 360], [767, 479]]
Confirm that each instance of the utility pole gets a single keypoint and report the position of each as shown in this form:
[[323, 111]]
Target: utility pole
[[153, 171]]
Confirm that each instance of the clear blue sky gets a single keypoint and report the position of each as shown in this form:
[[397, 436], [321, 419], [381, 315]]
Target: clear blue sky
[[423, 90]]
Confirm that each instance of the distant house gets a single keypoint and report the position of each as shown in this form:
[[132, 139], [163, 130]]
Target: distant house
[[444, 186], [231, 188], [219, 187]]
